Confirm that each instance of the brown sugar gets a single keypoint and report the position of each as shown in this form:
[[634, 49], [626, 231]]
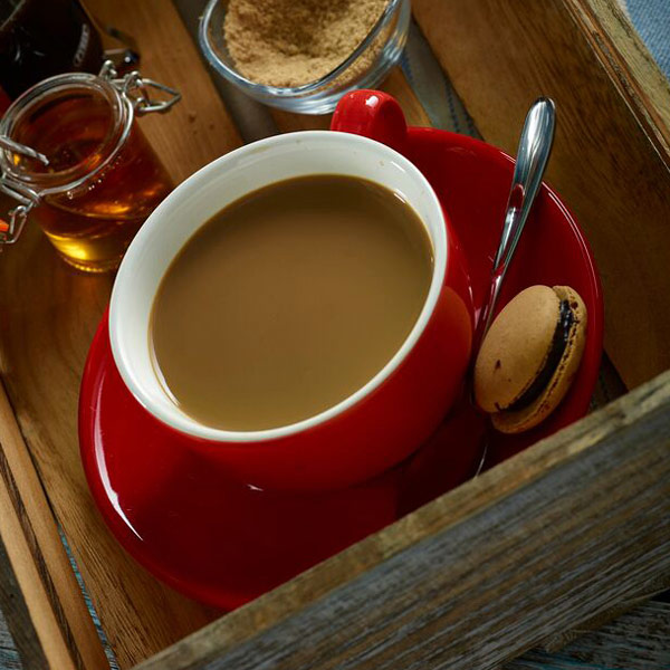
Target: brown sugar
[[294, 42]]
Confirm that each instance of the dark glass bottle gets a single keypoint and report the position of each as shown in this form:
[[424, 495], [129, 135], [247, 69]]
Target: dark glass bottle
[[41, 38]]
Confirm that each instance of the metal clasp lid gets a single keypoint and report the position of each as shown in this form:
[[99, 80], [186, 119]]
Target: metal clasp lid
[[9, 232], [26, 196], [136, 88]]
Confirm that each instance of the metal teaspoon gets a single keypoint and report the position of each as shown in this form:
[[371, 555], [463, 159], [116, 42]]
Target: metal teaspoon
[[535, 145]]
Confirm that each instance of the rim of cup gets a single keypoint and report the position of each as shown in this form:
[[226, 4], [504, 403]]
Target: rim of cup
[[132, 354]]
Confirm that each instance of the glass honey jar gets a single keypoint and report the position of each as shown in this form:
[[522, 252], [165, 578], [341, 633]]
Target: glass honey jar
[[72, 154]]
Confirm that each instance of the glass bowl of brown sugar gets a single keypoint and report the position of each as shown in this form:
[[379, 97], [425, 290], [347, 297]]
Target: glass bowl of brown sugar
[[303, 55]]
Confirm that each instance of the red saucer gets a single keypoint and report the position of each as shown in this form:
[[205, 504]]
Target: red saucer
[[224, 543]]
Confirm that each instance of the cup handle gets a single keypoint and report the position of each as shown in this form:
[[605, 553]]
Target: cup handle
[[373, 114]]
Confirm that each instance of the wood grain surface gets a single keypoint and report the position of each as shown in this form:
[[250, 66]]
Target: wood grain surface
[[604, 164], [631, 67], [27, 522], [9, 657], [536, 545], [30, 637], [47, 318], [23, 597], [48, 315], [638, 640], [563, 638]]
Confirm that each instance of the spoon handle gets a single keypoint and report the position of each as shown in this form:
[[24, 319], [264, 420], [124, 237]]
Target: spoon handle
[[535, 144]]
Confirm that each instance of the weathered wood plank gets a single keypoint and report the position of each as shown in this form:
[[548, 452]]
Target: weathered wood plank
[[609, 162], [9, 657], [538, 544], [33, 527], [631, 67], [20, 623], [563, 638], [639, 639], [23, 597]]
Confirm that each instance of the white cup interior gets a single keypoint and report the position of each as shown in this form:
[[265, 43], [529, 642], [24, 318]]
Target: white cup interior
[[208, 191]]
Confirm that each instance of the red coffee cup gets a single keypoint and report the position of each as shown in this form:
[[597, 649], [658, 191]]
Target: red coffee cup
[[384, 421]]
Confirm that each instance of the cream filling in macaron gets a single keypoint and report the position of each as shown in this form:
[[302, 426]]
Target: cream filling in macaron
[[560, 341]]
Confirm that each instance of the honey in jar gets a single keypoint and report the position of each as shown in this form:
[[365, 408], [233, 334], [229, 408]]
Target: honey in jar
[[101, 178]]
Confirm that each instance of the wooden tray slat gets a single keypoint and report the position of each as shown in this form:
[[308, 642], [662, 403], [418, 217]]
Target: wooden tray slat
[[48, 315], [632, 68], [500, 55], [538, 544], [24, 600], [50, 595]]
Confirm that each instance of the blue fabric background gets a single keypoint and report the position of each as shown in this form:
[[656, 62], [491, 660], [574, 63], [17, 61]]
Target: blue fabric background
[[652, 20]]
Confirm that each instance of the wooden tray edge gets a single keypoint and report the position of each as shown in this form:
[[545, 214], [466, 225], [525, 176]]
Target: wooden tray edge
[[537, 504]]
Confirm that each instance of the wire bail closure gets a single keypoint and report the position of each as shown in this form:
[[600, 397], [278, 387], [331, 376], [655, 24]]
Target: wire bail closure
[[133, 87], [27, 198], [136, 88]]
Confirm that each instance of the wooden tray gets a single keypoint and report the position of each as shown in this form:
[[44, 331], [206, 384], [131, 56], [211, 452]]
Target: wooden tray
[[568, 532]]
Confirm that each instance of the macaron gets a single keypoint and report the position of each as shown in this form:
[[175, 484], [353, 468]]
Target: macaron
[[530, 357]]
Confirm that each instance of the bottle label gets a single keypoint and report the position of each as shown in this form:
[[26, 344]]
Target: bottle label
[[82, 47]]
